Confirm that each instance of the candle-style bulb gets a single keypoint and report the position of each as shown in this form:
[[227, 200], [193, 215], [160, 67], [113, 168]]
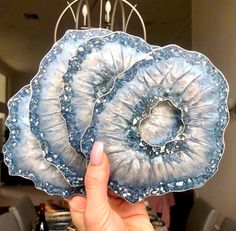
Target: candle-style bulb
[[108, 10], [85, 13]]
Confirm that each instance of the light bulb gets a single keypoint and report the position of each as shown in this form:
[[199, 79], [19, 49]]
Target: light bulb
[[85, 13], [108, 10]]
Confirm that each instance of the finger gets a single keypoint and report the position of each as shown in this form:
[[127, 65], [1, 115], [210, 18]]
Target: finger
[[77, 208], [118, 201], [96, 180], [119, 204], [128, 209]]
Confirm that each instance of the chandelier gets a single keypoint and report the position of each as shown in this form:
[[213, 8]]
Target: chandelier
[[107, 13]]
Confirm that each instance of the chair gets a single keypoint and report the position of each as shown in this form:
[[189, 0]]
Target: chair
[[228, 225], [8, 222], [24, 213], [202, 217]]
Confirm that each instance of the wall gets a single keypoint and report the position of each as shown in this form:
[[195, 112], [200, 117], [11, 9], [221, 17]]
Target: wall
[[214, 34], [15, 80], [10, 74], [21, 80]]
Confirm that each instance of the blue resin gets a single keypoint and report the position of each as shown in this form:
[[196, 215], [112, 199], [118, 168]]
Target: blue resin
[[46, 121], [23, 155], [191, 156], [91, 74]]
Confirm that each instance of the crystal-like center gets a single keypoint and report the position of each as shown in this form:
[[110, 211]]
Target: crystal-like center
[[162, 125]]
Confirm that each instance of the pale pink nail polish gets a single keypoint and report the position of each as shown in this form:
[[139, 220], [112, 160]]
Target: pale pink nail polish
[[96, 154]]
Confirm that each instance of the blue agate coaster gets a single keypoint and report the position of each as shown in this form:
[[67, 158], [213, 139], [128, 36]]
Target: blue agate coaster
[[162, 124], [23, 155], [46, 121]]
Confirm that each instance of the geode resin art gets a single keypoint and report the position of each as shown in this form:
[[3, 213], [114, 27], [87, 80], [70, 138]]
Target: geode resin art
[[161, 113]]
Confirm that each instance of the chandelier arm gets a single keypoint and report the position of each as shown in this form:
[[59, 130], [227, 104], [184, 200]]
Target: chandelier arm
[[60, 17], [100, 15], [129, 17], [123, 14], [140, 18], [78, 14], [114, 14], [72, 11]]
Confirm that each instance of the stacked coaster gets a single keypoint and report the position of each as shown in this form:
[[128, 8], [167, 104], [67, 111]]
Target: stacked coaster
[[161, 113]]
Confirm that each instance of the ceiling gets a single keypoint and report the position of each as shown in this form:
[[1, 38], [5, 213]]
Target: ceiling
[[23, 42]]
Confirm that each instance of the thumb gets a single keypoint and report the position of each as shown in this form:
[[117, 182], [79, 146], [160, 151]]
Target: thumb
[[77, 209], [96, 179]]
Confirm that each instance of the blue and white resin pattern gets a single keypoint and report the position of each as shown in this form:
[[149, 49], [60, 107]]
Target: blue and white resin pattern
[[160, 112], [23, 155], [162, 124], [92, 73], [46, 121]]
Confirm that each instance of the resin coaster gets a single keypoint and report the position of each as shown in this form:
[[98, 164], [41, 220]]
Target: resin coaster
[[46, 121], [23, 155], [162, 124]]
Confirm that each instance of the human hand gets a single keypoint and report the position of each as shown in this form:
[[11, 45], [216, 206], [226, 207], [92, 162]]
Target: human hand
[[100, 212]]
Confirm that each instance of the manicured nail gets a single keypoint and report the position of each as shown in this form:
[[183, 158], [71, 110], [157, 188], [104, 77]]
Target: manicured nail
[[96, 154]]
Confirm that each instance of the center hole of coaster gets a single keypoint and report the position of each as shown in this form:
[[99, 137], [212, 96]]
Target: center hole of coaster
[[162, 125]]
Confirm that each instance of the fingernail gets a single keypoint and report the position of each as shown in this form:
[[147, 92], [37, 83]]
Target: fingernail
[[96, 154]]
